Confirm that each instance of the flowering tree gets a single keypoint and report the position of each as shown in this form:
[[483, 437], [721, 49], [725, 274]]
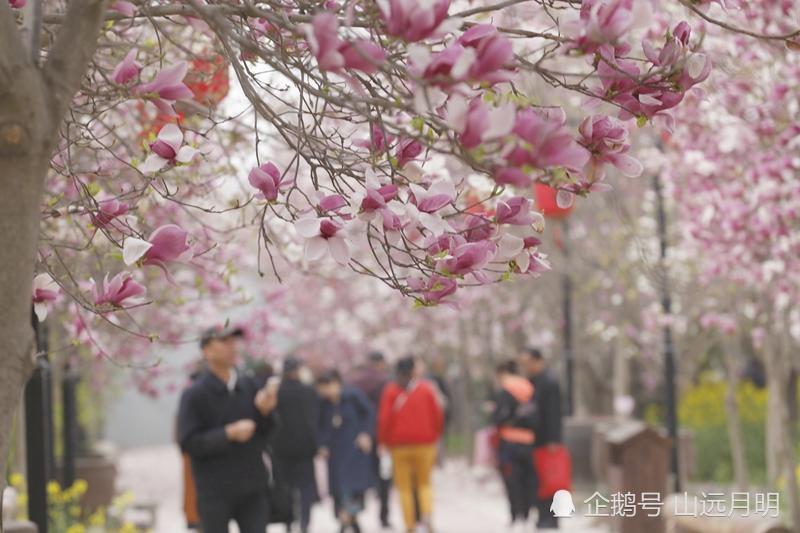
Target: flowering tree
[[398, 138], [732, 166]]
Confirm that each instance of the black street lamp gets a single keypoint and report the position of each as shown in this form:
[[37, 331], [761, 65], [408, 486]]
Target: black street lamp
[[39, 430], [669, 347]]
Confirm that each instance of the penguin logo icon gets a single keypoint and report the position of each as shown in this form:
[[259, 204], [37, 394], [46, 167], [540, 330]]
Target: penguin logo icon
[[562, 506]]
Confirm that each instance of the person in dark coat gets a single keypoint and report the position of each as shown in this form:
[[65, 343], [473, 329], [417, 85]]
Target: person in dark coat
[[371, 380], [547, 395], [223, 423], [295, 442], [346, 436], [515, 418]]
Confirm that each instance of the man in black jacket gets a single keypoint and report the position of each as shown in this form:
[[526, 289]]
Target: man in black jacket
[[223, 423], [295, 444], [547, 394]]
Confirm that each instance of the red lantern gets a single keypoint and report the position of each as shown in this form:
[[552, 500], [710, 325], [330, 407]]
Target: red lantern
[[546, 201], [208, 79]]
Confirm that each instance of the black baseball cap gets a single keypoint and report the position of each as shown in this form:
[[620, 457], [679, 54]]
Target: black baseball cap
[[219, 333]]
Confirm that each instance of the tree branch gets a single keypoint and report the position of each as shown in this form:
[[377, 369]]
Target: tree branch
[[72, 50], [12, 51]]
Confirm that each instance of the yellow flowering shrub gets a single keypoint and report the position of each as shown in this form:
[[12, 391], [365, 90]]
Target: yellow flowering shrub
[[66, 515], [702, 410]]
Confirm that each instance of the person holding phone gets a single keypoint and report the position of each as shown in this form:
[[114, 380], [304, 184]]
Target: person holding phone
[[223, 422]]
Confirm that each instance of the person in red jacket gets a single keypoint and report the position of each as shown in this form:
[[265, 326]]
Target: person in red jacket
[[410, 423]]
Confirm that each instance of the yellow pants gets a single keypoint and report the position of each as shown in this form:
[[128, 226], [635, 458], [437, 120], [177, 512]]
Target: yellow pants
[[412, 474]]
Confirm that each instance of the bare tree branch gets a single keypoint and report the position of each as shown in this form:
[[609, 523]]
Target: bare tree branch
[[72, 50]]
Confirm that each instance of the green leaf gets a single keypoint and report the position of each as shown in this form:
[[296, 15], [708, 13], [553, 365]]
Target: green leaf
[[93, 188]]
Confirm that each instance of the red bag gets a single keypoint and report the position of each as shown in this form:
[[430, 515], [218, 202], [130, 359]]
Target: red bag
[[553, 468]]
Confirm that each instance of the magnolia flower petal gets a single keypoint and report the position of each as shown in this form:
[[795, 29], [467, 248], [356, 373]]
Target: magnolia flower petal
[[523, 261], [509, 247], [340, 251], [629, 166], [457, 109], [695, 65], [153, 164], [501, 121], [315, 249], [564, 199], [307, 227], [172, 135], [134, 249], [538, 222], [185, 154], [41, 309], [44, 281]]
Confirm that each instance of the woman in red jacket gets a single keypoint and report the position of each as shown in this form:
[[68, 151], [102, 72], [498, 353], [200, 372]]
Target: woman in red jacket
[[410, 422]]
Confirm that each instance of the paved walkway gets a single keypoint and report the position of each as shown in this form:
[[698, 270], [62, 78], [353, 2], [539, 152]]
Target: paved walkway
[[466, 501]]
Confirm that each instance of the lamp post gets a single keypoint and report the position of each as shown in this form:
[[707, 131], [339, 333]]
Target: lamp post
[[38, 430], [669, 347], [546, 201]]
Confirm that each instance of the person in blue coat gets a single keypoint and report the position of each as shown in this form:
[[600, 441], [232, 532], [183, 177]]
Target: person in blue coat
[[346, 438]]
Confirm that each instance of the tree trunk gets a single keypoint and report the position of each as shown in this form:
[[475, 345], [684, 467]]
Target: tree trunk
[[781, 461], [735, 435], [33, 101], [24, 157]]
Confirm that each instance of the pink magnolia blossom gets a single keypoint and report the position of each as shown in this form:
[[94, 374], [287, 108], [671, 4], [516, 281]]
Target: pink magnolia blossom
[[413, 20], [606, 138], [407, 150], [516, 211], [362, 55], [378, 141], [375, 201], [432, 290], [45, 292], [423, 205], [127, 70], [120, 291], [333, 54], [466, 258], [324, 236], [122, 6], [108, 210], [167, 87], [492, 50], [167, 150], [476, 122], [481, 54], [439, 194], [17, 4], [391, 221], [332, 202], [478, 228], [533, 263], [267, 178], [443, 245], [602, 22], [167, 244], [377, 198], [542, 142]]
